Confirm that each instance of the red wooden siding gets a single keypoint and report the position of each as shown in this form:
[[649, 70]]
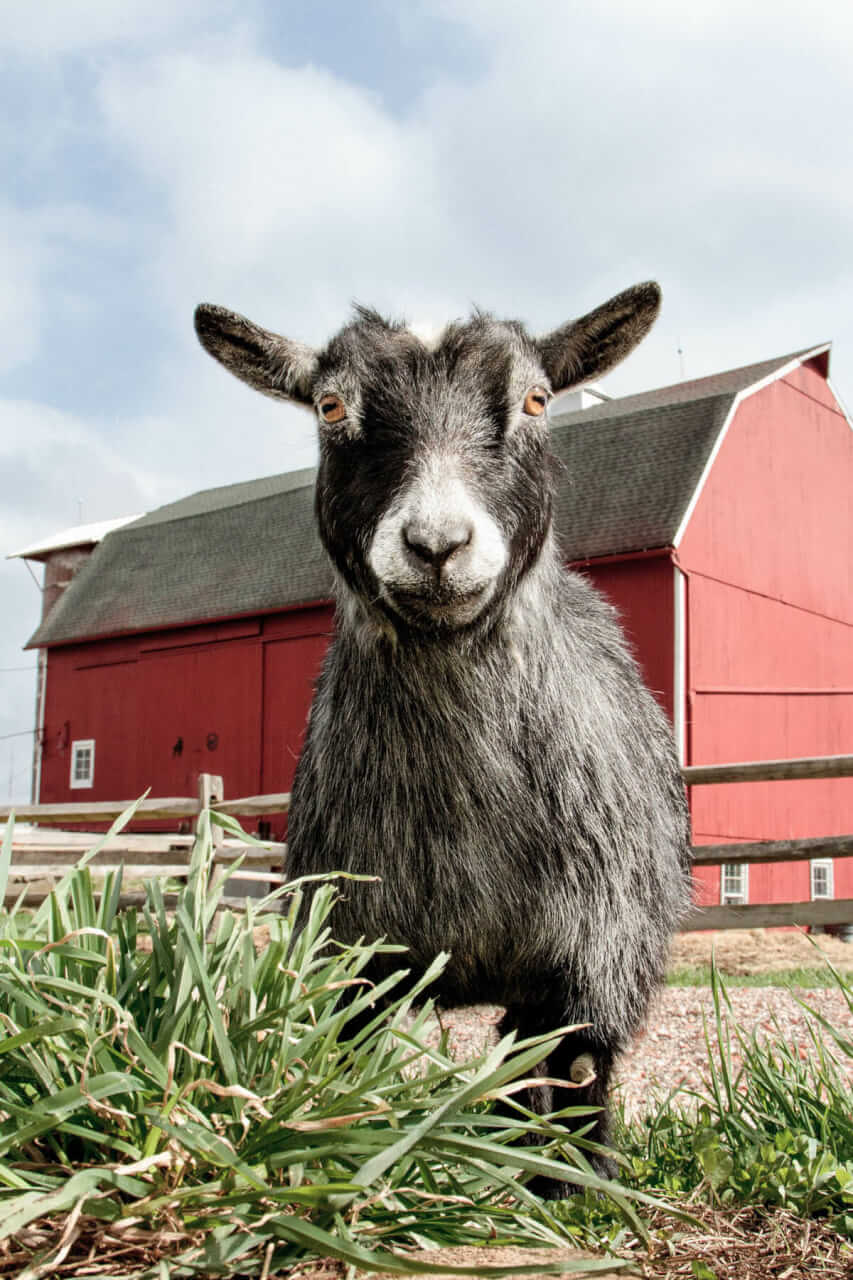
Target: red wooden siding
[[229, 698], [208, 697], [290, 669], [643, 591]]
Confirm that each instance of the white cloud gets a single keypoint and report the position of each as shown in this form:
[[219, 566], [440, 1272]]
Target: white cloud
[[35, 246], [53, 27], [288, 190], [595, 150]]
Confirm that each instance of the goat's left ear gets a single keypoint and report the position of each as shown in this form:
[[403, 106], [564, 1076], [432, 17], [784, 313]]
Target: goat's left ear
[[588, 347]]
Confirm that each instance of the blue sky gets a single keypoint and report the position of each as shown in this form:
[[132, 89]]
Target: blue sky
[[286, 158]]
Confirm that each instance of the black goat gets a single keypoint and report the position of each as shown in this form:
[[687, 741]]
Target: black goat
[[480, 738]]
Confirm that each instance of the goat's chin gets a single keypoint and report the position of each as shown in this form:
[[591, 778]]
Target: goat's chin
[[442, 609]]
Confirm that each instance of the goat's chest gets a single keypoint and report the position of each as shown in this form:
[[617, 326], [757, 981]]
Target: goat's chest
[[442, 791]]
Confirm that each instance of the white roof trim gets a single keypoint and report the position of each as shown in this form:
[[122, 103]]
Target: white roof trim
[[842, 406], [81, 535], [739, 398]]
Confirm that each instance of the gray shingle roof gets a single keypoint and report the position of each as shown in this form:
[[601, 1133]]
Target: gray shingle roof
[[628, 469], [245, 548], [626, 481]]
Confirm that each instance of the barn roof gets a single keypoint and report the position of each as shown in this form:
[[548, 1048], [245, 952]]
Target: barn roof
[[629, 469]]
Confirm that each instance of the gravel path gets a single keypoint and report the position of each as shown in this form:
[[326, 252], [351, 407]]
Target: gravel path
[[672, 1051]]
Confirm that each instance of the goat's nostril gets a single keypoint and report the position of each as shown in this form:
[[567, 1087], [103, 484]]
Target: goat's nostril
[[435, 546]]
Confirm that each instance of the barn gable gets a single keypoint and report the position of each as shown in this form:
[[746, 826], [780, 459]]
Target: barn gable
[[633, 467], [774, 513]]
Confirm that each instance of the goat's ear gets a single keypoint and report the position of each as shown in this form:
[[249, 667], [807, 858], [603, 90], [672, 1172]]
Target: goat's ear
[[588, 347], [274, 365]]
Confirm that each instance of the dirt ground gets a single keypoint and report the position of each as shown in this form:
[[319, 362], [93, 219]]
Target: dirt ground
[[458, 1257], [746, 951]]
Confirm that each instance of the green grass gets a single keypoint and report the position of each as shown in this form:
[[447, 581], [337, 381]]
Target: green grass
[[263, 1107], [702, 976]]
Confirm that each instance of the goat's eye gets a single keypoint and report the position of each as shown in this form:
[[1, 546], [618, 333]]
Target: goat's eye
[[332, 409], [536, 401]]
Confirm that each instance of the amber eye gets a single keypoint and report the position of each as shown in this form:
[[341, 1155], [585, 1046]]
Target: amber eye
[[536, 402], [332, 409]]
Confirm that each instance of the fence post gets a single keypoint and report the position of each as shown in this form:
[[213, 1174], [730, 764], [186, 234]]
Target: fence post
[[211, 790]]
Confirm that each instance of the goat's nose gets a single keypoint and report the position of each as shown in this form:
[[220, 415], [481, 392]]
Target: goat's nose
[[435, 544]]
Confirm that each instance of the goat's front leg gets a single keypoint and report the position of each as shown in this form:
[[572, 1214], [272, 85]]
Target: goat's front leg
[[586, 1065]]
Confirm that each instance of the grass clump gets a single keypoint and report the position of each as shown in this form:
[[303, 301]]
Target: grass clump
[[775, 1131], [236, 1111]]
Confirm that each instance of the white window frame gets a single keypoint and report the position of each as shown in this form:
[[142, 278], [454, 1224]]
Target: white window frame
[[827, 865], [735, 897], [77, 749]]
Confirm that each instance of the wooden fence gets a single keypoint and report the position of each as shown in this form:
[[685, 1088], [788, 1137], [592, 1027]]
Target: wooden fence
[[39, 855], [756, 915]]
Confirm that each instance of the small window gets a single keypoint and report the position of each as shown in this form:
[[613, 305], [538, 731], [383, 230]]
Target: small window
[[822, 881], [734, 888], [83, 763]]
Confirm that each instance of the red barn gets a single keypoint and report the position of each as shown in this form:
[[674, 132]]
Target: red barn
[[716, 514]]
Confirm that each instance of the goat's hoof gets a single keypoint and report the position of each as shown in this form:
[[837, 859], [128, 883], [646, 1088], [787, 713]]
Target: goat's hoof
[[582, 1070]]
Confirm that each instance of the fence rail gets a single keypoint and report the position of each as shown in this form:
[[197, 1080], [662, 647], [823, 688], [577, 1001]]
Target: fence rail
[[697, 775], [37, 854]]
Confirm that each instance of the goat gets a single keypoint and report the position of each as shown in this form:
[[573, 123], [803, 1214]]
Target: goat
[[480, 738]]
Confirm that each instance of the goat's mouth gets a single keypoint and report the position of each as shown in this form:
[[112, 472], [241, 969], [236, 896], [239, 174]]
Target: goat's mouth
[[440, 606]]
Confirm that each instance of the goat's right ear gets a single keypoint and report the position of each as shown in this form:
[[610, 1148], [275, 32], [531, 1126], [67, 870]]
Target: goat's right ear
[[271, 364], [588, 347]]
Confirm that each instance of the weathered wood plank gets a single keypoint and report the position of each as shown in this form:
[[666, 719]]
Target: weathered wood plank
[[773, 851], [37, 891], [76, 843], [166, 807], [58, 859], [769, 770], [211, 790], [255, 806], [38, 871], [34, 873], [58, 815], [765, 915]]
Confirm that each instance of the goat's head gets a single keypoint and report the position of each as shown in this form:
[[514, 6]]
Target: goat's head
[[434, 486]]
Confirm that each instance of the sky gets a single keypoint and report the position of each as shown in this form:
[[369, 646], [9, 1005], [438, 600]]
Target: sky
[[287, 157]]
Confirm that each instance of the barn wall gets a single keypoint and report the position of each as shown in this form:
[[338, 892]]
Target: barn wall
[[770, 633], [643, 592], [228, 698]]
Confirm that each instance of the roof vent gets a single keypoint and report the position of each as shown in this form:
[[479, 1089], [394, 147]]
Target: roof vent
[[578, 398]]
